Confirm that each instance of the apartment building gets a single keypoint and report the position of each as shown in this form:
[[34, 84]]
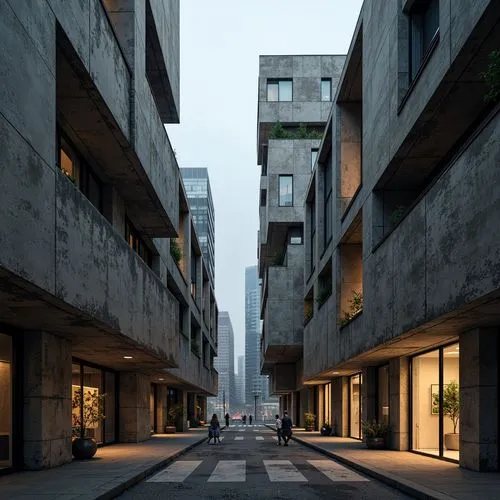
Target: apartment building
[[295, 97], [402, 241], [92, 299]]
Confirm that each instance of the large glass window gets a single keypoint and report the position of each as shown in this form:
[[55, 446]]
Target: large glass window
[[5, 401], [279, 90], [326, 89], [137, 244], [327, 220], [355, 405], [435, 402], [314, 155], [92, 387], [286, 190], [424, 26]]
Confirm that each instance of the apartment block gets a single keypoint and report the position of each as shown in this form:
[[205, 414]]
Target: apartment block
[[402, 241], [295, 98], [94, 297]]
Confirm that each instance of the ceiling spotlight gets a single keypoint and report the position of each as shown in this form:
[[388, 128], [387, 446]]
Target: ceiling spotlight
[[128, 357], [335, 373], [161, 379]]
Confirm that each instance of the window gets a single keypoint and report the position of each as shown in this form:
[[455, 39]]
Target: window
[[296, 240], [312, 220], [286, 190], [80, 173], [137, 243], [424, 27], [355, 406], [327, 219], [6, 399], [194, 273], [326, 89], [279, 90], [314, 155]]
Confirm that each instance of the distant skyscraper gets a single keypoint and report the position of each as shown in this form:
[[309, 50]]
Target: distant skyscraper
[[240, 381], [224, 363], [200, 201], [254, 381]]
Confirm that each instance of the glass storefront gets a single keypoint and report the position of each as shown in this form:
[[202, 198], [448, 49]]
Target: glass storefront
[[328, 403], [6, 405], [383, 394], [355, 406], [435, 402], [92, 387], [152, 408]]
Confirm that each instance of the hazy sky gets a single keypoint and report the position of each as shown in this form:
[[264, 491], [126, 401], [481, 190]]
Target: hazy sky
[[221, 41]]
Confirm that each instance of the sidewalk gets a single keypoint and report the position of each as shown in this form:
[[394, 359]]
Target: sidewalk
[[416, 475], [114, 469]]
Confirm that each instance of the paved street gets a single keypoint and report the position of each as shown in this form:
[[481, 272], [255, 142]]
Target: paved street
[[249, 464]]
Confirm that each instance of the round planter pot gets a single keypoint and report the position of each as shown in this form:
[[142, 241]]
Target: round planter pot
[[84, 448], [170, 429], [452, 441], [326, 431], [308, 428], [375, 443]]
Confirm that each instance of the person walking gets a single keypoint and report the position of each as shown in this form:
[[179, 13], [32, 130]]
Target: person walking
[[286, 428], [227, 419], [278, 429], [250, 419], [214, 430], [244, 418]]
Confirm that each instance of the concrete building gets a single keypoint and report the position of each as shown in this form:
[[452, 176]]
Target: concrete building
[[201, 205], [92, 301], [295, 97], [224, 364], [402, 241], [240, 382], [254, 382]]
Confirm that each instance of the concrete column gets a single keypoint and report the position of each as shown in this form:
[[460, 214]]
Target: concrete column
[[134, 408], [161, 408], [399, 403], [369, 393], [47, 400], [479, 410], [320, 417], [292, 412], [184, 422], [340, 406]]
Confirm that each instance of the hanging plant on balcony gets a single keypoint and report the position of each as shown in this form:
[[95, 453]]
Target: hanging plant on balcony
[[175, 251], [355, 308]]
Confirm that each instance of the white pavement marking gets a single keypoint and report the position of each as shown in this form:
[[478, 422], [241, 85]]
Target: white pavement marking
[[256, 430], [238, 438], [175, 473], [259, 438], [229, 471], [283, 471], [336, 472]]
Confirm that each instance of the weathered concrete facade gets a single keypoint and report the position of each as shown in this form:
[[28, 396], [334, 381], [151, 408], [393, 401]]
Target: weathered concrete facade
[[414, 256], [294, 93], [92, 196]]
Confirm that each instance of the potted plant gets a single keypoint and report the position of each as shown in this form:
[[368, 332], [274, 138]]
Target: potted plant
[[173, 414], [451, 407], [374, 434], [326, 430], [88, 412], [309, 420]]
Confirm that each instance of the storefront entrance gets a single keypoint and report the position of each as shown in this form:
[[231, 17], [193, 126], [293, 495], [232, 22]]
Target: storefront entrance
[[93, 387], [435, 402], [6, 401], [355, 409]]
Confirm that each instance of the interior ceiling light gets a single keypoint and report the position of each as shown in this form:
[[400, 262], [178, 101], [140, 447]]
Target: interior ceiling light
[[128, 357], [161, 379]]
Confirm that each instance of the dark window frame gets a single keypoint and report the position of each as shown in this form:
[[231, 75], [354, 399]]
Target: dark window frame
[[329, 81], [277, 81], [328, 205], [137, 244]]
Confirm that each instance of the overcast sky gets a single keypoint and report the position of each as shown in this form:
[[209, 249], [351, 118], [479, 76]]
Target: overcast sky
[[221, 41]]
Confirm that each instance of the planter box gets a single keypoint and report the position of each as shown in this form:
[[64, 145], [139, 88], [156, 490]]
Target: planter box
[[375, 443], [170, 429]]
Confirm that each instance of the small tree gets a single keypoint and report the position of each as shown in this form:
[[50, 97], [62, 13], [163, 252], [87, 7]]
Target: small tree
[[175, 251], [174, 412], [278, 132], [92, 412], [451, 402]]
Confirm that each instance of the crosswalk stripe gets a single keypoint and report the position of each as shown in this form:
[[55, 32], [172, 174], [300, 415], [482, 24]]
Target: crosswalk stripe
[[238, 438], [175, 473], [229, 471], [259, 438], [275, 438], [336, 472], [283, 471]]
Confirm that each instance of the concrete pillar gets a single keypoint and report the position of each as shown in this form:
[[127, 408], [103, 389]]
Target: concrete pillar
[[399, 403], [340, 406], [320, 417], [184, 422], [134, 408], [47, 400], [161, 408], [369, 393], [479, 410], [292, 412]]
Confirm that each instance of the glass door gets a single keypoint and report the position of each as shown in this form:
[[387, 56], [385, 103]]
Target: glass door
[[6, 406], [355, 406]]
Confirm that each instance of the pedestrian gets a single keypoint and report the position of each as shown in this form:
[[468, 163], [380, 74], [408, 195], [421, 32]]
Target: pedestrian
[[227, 419], [244, 418], [286, 428], [214, 430], [278, 429], [250, 418]]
